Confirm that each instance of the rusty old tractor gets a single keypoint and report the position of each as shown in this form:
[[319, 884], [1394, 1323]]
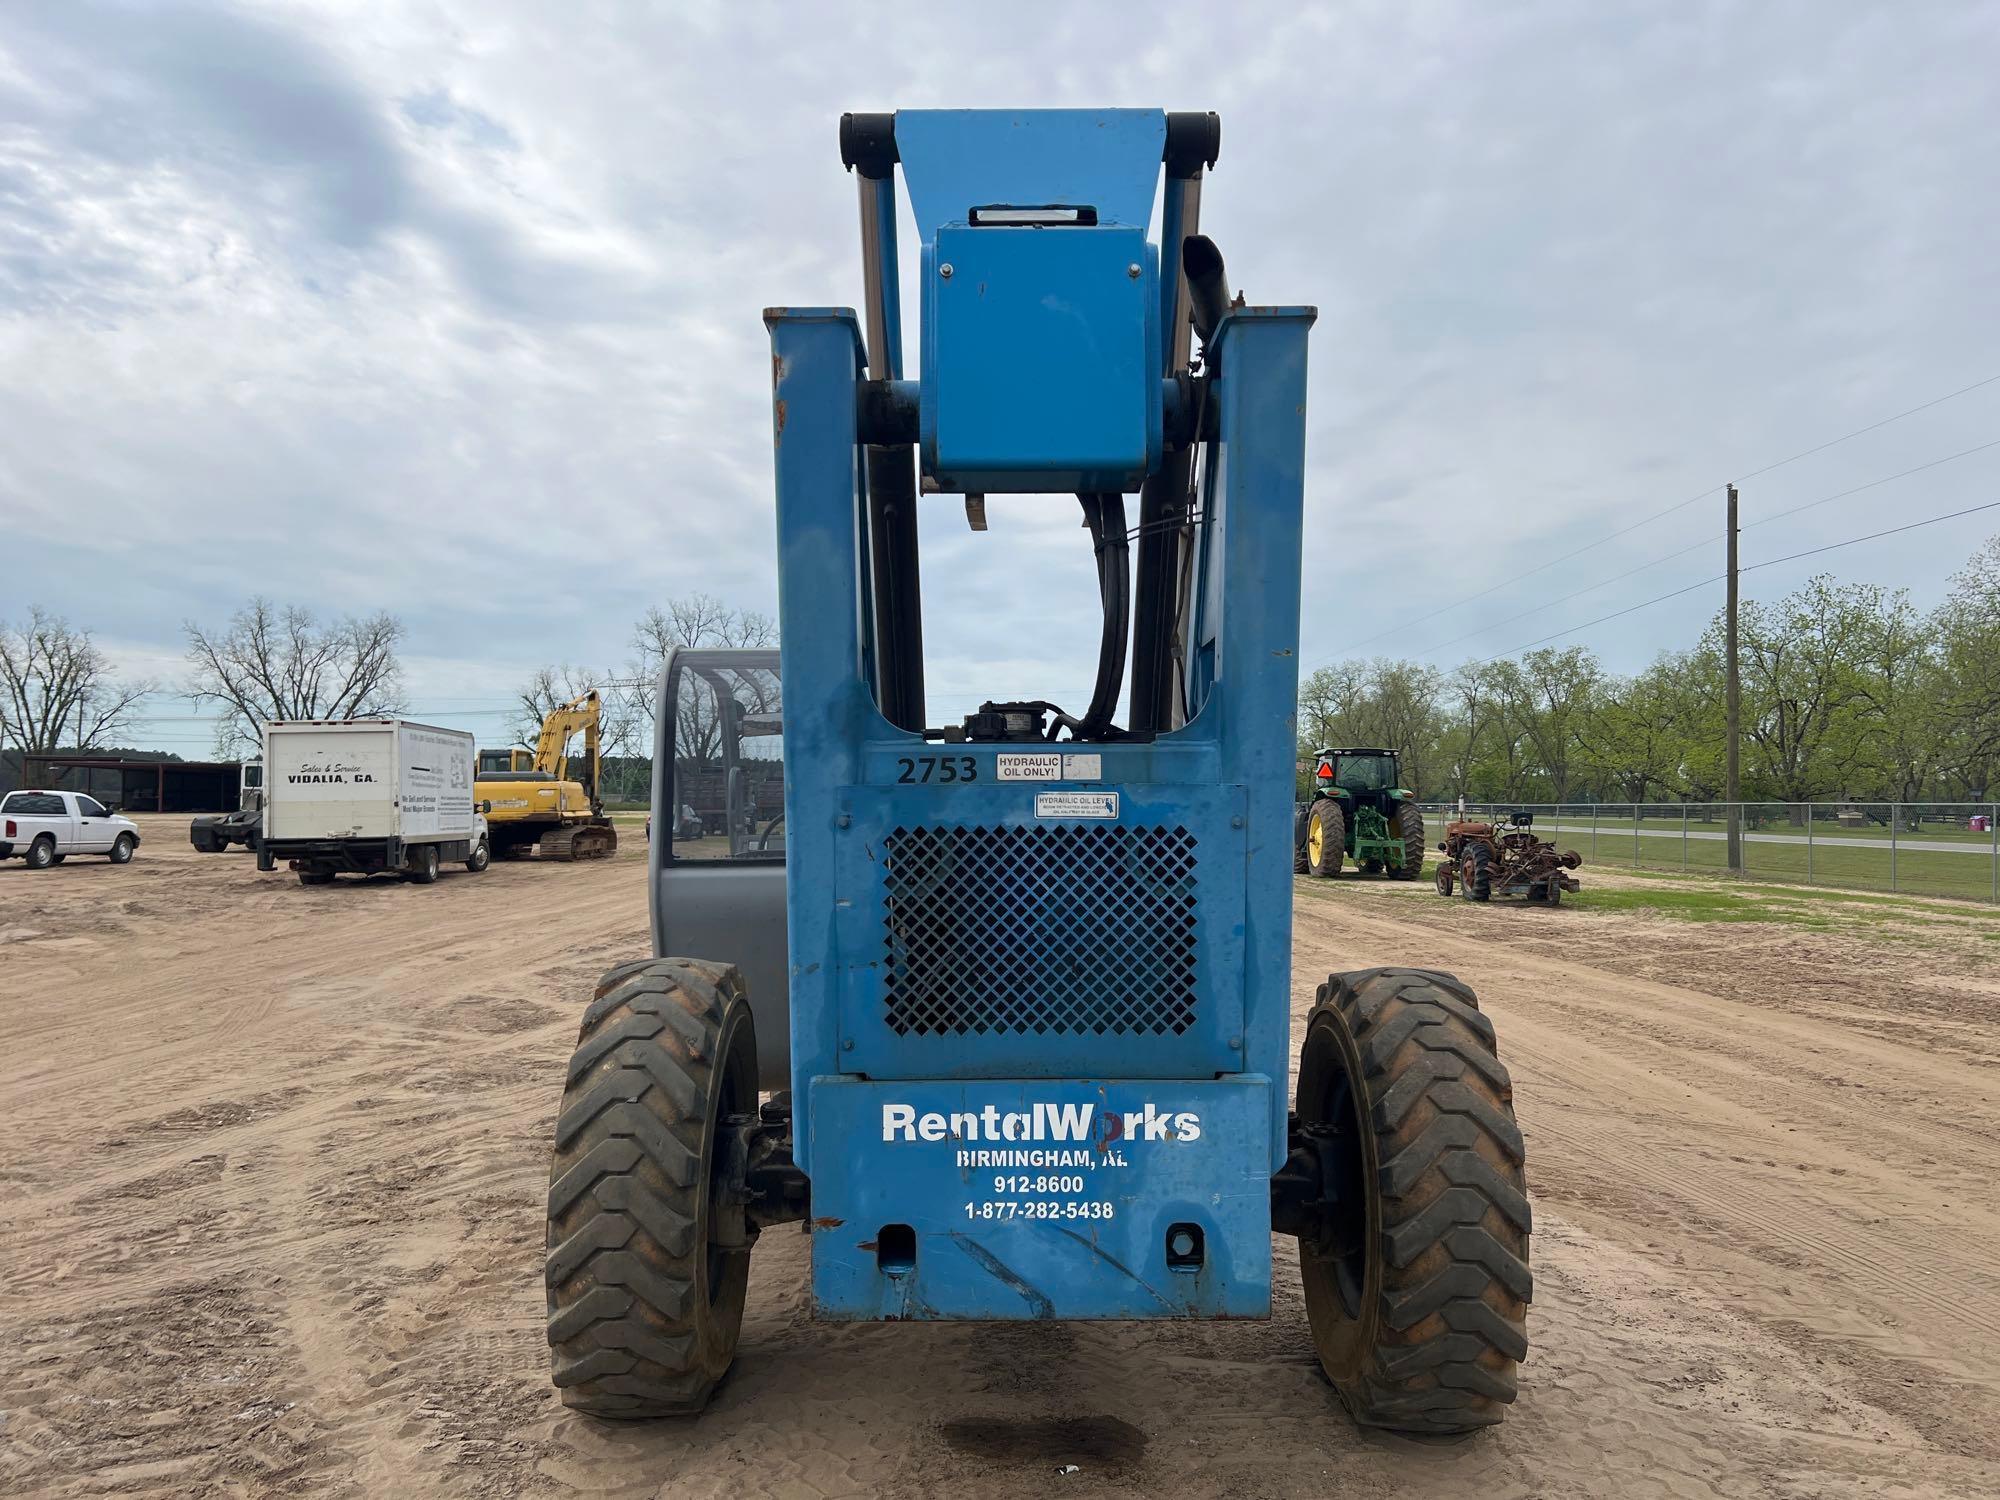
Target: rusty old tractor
[[1484, 859]]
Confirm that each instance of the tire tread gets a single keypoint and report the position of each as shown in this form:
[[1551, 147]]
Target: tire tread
[[1454, 1248], [624, 1208]]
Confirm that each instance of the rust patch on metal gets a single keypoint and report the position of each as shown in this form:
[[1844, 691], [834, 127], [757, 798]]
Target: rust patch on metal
[[1513, 860], [818, 1226]]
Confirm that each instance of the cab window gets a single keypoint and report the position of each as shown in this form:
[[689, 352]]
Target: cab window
[[90, 807], [33, 804], [1365, 773], [727, 790]]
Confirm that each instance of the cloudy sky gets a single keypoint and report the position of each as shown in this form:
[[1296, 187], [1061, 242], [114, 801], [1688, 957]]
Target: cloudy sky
[[451, 307]]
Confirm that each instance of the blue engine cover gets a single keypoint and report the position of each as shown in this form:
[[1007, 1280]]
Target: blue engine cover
[[1042, 1198]]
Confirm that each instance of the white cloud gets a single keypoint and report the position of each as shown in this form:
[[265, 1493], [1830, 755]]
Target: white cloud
[[452, 308]]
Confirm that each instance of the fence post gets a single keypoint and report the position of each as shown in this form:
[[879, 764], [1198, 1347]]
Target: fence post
[[1809, 823], [1684, 838], [1593, 832], [1895, 822], [1993, 827], [1635, 835]]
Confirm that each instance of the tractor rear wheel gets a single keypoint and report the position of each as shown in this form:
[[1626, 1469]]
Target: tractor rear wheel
[[1417, 1294], [1475, 873], [1407, 825], [1326, 838], [648, 1250]]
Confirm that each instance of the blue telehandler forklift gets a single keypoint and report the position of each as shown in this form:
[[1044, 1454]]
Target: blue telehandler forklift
[[1000, 1009]]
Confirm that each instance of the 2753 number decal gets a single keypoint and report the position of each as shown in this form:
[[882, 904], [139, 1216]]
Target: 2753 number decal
[[920, 770]]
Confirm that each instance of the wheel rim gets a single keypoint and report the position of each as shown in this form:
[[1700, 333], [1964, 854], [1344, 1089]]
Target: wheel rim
[[735, 1100], [1315, 841], [1330, 1101]]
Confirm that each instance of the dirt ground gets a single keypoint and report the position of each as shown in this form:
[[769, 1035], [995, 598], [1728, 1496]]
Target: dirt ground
[[270, 1220]]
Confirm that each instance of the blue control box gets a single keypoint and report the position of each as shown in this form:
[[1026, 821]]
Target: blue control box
[[1042, 366]]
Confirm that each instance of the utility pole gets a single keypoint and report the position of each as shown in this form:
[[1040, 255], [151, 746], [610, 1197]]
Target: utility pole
[[1732, 791]]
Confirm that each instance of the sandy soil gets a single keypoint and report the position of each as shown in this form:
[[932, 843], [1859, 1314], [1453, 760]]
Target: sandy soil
[[270, 1220]]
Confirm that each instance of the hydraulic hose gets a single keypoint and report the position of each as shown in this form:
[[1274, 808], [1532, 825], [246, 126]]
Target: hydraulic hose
[[1104, 514]]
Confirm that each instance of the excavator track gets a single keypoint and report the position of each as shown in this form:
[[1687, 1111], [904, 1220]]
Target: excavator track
[[579, 841]]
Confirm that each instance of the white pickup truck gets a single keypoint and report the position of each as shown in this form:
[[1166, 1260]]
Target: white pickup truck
[[45, 828]]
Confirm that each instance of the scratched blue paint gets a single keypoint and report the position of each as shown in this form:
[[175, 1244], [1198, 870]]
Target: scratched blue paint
[[1226, 776], [1100, 1252]]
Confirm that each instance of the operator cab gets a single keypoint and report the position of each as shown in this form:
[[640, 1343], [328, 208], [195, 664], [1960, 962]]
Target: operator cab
[[1366, 773], [505, 762]]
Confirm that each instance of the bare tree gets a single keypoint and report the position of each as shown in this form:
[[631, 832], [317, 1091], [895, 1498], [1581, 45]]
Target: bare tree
[[693, 620], [274, 663], [57, 691], [551, 687]]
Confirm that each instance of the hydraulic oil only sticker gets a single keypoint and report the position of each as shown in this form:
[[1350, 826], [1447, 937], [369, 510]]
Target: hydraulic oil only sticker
[[1076, 804], [1031, 767]]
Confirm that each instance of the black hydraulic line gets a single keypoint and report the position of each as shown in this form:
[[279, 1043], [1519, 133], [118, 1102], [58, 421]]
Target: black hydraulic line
[[868, 146], [1105, 515], [1162, 511], [896, 585]]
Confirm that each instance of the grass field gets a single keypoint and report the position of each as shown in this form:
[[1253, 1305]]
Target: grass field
[[1864, 864]]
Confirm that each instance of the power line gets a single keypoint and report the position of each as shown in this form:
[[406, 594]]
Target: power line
[[1855, 541], [1874, 536], [1680, 505], [1873, 484], [1859, 431], [1697, 546], [1630, 609], [1601, 583]]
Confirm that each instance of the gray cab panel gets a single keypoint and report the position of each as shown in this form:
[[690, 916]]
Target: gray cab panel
[[716, 857]]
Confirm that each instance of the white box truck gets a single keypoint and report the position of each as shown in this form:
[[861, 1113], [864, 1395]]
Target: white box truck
[[369, 796]]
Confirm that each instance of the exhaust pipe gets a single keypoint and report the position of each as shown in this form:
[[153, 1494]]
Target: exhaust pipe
[[1208, 288]]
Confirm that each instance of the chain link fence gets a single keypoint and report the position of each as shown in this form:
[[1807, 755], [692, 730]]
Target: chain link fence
[[1919, 848]]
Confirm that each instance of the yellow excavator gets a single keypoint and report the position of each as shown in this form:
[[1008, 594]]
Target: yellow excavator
[[534, 805]]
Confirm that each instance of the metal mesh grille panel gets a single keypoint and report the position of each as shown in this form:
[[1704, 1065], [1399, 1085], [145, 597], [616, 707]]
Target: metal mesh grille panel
[[1069, 930]]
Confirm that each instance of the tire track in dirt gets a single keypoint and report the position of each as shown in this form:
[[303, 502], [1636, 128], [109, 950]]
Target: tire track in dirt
[[301, 1252], [1867, 1249]]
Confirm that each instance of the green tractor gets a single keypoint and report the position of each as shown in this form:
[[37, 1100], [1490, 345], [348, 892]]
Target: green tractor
[[1360, 810]]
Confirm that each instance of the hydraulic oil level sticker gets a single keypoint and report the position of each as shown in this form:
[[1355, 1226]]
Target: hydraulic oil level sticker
[[1076, 804], [1046, 766]]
